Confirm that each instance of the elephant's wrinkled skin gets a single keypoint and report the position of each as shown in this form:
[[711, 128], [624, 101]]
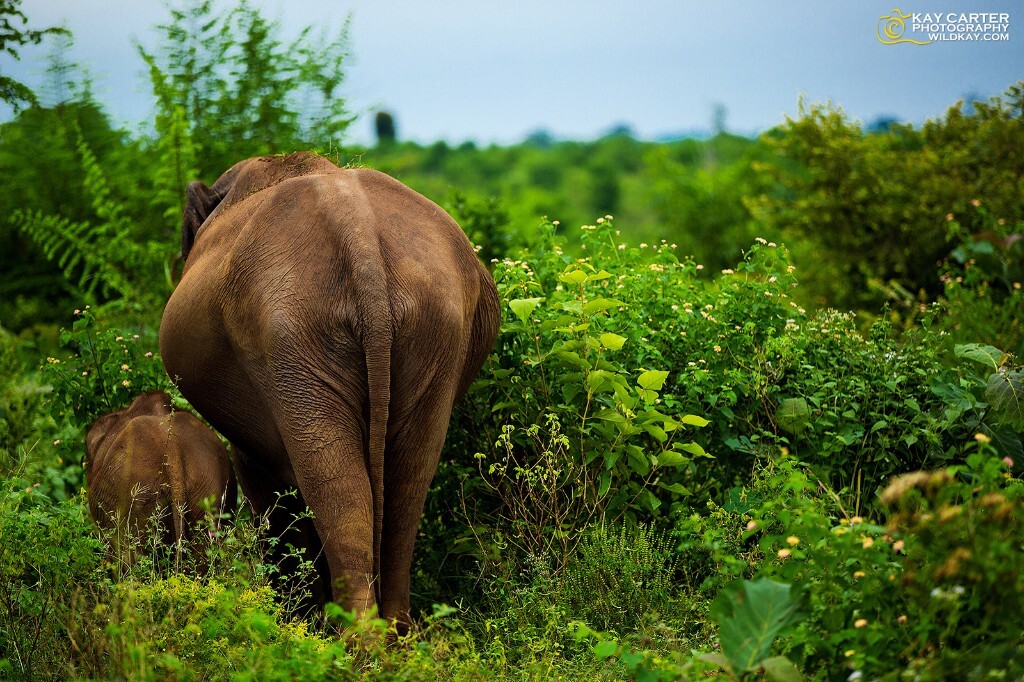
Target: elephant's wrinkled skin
[[146, 461], [326, 321]]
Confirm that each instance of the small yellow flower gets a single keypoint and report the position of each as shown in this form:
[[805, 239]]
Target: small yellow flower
[[124, 367], [793, 541], [982, 438], [57, 442], [856, 519], [751, 525], [119, 338], [897, 546], [718, 349], [859, 574], [126, 383], [901, 619], [860, 622], [868, 542], [783, 553], [849, 652]]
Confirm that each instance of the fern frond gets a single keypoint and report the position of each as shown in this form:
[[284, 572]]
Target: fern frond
[[79, 250]]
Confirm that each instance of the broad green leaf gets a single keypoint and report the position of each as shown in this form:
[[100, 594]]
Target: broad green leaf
[[638, 460], [575, 277], [780, 669], [612, 341], [677, 488], [604, 274], [599, 304], [720, 661], [793, 415], [600, 380], [694, 420], [692, 448], [647, 396], [979, 352], [657, 432], [605, 648], [1004, 391], [671, 458], [604, 483], [611, 415], [522, 307], [649, 499], [652, 379], [572, 359], [750, 616]]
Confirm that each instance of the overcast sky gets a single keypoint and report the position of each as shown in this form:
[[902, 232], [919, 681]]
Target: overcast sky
[[494, 72]]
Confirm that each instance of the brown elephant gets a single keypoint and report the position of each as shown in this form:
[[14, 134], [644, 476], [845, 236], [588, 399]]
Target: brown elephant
[[149, 462], [326, 322]]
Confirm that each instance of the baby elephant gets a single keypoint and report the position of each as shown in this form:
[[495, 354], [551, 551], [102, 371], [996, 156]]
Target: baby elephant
[[148, 463]]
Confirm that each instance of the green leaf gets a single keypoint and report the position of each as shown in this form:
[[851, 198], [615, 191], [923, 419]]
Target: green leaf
[[523, 307], [677, 488], [979, 352], [657, 432], [750, 616], [780, 669], [1004, 391], [638, 460], [604, 483], [649, 499], [599, 304], [652, 379], [720, 661], [671, 458], [612, 341], [694, 420], [611, 415], [605, 648], [575, 277], [692, 448], [793, 415]]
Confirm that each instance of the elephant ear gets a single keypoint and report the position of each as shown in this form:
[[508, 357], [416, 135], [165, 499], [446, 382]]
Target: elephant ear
[[200, 203]]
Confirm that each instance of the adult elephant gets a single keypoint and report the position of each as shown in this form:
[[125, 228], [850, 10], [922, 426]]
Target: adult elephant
[[326, 321]]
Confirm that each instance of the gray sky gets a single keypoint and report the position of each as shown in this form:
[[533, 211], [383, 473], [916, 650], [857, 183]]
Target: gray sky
[[494, 72]]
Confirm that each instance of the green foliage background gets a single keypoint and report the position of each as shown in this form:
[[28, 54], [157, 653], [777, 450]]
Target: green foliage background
[[764, 421]]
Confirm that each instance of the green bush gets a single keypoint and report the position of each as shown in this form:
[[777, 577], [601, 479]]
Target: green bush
[[619, 580], [48, 551], [864, 210]]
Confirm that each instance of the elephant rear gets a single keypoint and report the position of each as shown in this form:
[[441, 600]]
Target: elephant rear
[[149, 472]]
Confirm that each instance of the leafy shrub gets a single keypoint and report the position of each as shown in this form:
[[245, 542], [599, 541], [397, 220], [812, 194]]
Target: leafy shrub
[[21, 400], [865, 210], [618, 579], [930, 590], [982, 298], [47, 550], [572, 361]]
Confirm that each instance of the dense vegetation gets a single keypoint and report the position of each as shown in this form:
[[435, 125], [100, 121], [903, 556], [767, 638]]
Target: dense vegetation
[[765, 421]]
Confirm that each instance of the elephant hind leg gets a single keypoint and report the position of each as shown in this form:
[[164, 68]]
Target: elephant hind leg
[[413, 450], [327, 453]]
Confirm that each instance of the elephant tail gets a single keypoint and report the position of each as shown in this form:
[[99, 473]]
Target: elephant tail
[[377, 344]]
